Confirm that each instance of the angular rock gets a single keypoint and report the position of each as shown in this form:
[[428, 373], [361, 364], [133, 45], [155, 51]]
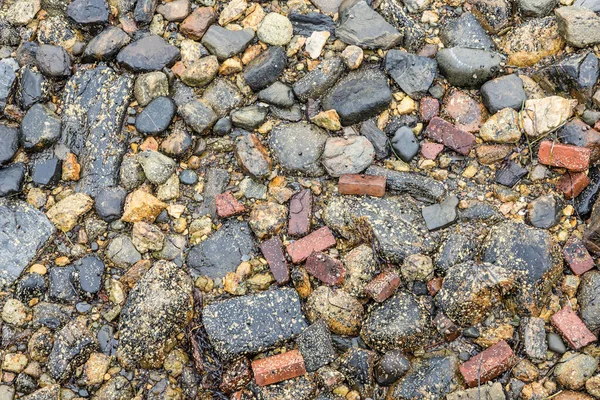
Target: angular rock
[[298, 147], [510, 174], [252, 155], [466, 67], [33, 88], [377, 138], [587, 298], [444, 132], [8, 75], [528, 43], [222, 96], [431, 378], [278, 94], [418, 186], [545, 211], [574, 74], [46, 171], [150, 53], [265, 68], [315, 83], [198, 115], [225, 43], [441, 215], [142, 206], [252, 324], [362, 26], [158, 307], [144, 11], [72, 346], [341, 312], [580, 27], [88, 12], [40, 128], [316, 346], [198, 22], [11, 179], [414, 74], [306, 24], [66, 212], [502, 127]]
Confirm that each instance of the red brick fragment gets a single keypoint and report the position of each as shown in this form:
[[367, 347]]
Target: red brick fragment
[[429, 107], [488, 364], [450, 136], [300, 213], [434, 285], [372, 185], [572, 184], [198, 22], [328, 270], [279, 367], [577, 256], [227, 205], [236, 375], [383, 286], [573, 158], [272, 249], [430, 150], [319, 240], [448, 329], [572, 328]]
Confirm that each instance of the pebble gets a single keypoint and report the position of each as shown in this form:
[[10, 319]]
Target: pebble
[[275, 29], [156, 117]]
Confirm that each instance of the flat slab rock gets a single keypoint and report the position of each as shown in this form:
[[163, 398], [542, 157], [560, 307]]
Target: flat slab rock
[[23, 231], [397, 226], [252, 324], [94, 105]]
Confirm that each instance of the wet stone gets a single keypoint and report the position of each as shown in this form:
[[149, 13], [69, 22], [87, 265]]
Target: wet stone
[[414, 74], [545, 211], [30, 286], [575, 73], [225, 43], [510, 174], [223, 251], [249, 117], [90, 269], [46, 171], [347, 156], [8, 73], [466, 67], [587, 299], [40, 128], [465, 31], [534, 338], [391, 367], [503, 92], [377, 138], [32, 88], [306, 24], [405, 144], [432, 377], [88, 12], [53, 61], [315, 83], [418, 186], [72, 346], [198, 115], [265, 68], [109, 203], [284, 144], [578, 26], [341, 312], [151, 53], [278, 94], [360, 25], [11, 179], [9, 136], [316, 346], [144, 11], [578, 133], [263, 321], [62, 284], [156, 117], [555, 343]]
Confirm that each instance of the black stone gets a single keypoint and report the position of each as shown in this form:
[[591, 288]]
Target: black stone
[[53, 61], [316, 346], [72, 347], [144, 11], [40, 128], [377, 137], [88, 12], [431, 378], [457, 248], [46, 171], [576, 74], [405, 144], [510, 174], [252, 324], [360, 95], [465, 31], [151, 53], [109, 203], [90, 269], [306, 24], [587, 198], [9, 137], [265, 68], [106, 44], [357, 366], [315, 83], [30, 286], [11, 179], [414, 74], [225, 43], [32, 88], [391, 367], [62, 284], [156, 116], [503, 92], [223, 251], [545, 211]]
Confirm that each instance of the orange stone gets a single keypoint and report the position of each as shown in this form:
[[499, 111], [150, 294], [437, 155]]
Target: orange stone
[[383, 286], [71, 170], [572, 184], [372, 185], [319, 240], [573, 158], [227, 205], [278, 368], [488, 364], [572, 328]]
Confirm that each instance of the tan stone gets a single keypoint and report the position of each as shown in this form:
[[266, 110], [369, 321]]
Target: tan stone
[[329, 120], [71, 169], [541, 116], [531, 41], [65, 213], [142, 206], [95, 368]]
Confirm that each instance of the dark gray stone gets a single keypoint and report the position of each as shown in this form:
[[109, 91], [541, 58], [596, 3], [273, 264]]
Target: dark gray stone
[[362, 26], [292, 114], [537, 8], [216, 181], [252, 324], [391, 367], [414, 74], [90, 269], [418, 186], [298, 147], [467, 67], [106, 44], [9, 137], [23, 231], [40, 128], [503, 92], [265, 68], [94, 105], [405, 144], [46, 171], [430, 379], [53, 61], [198, 115], [278, 94], [545, 211], [316, 347], [156, 117], [72, 347], [30, 286], [223, 126], [223, 251], [588, 299], [33, 88], [531, 255], [150, 53], [144, 11], [576, 73], [510, 174], [438, 216], [306, 24], [357, 366], [457, 248], [249, 117], [88, 12], [315, 83], [360, 95], [62, 284], [555, 343], [225, 43], [8, 77], [465, 31], [377, 138], [11, 179], [396, 225]]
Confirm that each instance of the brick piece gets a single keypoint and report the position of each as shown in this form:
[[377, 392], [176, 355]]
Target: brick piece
[[328, 270], [236, 375], [448, 329], [572, 184], [572, 328], [227, 205], [577, 256], [372, 185], [198, 22], [450, 136], [300, 213], [430, 150], [272, 249], [429, 107], [319, 240], [383, 286], [488, 364], [573, 158], [434, 285], [279, 367]]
